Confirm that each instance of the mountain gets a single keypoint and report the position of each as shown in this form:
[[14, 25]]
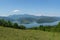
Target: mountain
[[26, 19]]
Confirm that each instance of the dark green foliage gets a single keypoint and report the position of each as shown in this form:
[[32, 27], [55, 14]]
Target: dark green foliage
[[34, 28], [3, 22], [22, 27], [58, 27], [10, 24], [15, 25]]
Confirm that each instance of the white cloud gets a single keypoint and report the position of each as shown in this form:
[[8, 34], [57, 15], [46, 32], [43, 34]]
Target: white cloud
[[16, 11]]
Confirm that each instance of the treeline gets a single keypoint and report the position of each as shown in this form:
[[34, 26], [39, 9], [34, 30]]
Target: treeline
[[55, 28], [5, 23]]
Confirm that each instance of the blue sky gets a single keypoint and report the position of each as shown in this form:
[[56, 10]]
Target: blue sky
[[32, 7]]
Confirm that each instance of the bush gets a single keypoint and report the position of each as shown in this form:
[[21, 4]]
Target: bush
[[22, 27]]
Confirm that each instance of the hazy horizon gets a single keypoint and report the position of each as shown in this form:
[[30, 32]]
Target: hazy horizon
[[31, 7]]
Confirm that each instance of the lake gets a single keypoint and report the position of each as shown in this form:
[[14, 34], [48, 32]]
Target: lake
[[34, 24]]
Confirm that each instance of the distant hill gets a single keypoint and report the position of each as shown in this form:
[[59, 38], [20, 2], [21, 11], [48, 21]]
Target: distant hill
[[47, 19], [26, 19]]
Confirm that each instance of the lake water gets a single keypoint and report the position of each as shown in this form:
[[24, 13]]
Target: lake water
[[37, 24]]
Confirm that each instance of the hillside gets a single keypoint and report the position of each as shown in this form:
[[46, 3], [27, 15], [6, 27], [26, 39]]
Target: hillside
[[26, 19], [17, 34]]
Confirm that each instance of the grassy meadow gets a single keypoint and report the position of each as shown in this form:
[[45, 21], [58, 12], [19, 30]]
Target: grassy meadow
[[17, 34]]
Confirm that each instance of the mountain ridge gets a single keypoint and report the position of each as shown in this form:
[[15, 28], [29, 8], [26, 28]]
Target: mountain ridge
[[26, 18]]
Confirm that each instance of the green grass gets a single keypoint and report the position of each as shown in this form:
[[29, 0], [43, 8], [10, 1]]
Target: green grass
[[17, 34]]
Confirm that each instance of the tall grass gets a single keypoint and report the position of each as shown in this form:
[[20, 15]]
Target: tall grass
[[17, 34]]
